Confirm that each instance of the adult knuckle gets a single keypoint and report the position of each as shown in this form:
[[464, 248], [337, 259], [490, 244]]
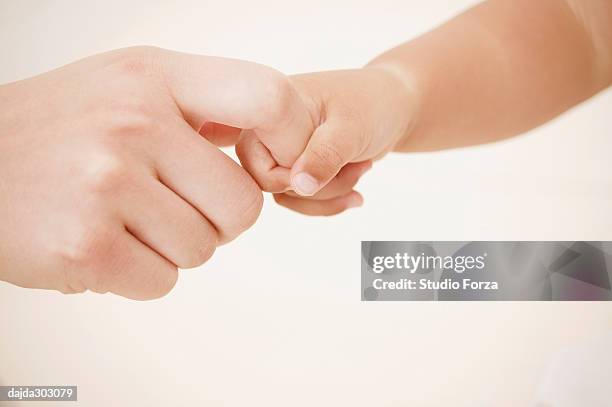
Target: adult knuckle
[[133, 113], [138, 60], [105, 174], [247, 210], [204, 246], [70, 289], [143, 51], [87, 248], [253, 200], [277, 94], [128, 127], [166, 279], [71, 280], [204, 252]]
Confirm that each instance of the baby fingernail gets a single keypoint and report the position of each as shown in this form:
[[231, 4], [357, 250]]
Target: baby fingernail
[[305, 184], [365, 169], [354, 201]]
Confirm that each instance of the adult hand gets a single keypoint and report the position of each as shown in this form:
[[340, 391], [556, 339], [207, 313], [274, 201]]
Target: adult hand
[[110, 176]]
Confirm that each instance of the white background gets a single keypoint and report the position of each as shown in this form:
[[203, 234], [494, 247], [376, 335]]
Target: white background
[[275, 318]]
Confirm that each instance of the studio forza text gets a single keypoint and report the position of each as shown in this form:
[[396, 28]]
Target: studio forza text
[[423, 263]]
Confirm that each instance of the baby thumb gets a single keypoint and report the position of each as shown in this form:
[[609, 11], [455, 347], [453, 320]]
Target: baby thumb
[[330, 148]]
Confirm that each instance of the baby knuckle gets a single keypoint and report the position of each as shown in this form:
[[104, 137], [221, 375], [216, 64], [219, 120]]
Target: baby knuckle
[[246, 149], [332, 210], [269, 184], [328, 157], [280, 199]]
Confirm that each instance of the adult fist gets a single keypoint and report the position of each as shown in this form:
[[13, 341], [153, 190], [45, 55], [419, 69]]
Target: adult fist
[[109, 182]]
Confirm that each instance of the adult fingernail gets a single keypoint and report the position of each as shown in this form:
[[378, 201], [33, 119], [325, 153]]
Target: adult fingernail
[[304, 184]]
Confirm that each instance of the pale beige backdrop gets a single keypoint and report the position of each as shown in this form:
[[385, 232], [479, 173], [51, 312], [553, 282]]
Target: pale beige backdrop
[[274, 319]]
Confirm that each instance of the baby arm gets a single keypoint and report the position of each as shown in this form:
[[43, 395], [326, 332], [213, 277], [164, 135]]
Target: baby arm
[[503, 68]]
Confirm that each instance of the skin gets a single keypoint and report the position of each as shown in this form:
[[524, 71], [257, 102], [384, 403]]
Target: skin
[[493, 72], [111, 180]]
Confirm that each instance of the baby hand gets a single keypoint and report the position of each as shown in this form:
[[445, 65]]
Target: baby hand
[[356, 116]]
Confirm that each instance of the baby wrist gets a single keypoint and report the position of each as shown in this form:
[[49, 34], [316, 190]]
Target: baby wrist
[[406, 94]]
